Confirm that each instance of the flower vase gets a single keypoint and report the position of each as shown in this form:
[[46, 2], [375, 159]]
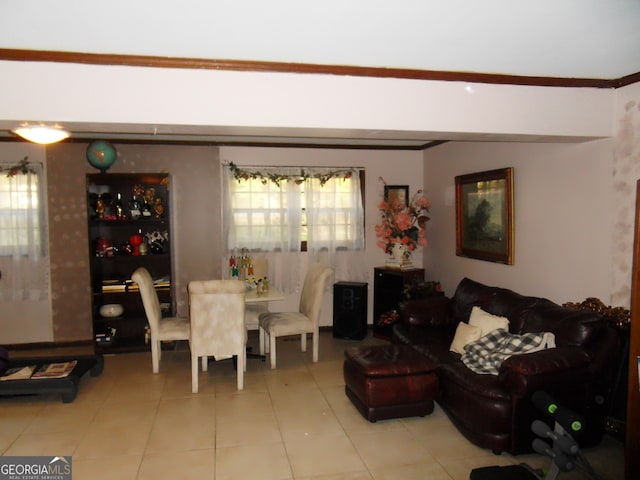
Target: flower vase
[[399, 257], [398, 252]]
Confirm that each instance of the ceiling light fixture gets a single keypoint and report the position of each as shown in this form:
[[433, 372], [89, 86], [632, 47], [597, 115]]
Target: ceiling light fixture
[[42, 134]]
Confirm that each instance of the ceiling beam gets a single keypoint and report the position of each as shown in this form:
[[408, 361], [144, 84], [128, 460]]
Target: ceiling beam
[[284, 67]]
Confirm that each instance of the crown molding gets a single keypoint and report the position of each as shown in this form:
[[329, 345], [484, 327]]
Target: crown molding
[[283, 67]]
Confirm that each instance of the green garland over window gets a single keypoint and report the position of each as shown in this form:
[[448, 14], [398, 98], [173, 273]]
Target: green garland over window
[[21, 167], [241, 174]]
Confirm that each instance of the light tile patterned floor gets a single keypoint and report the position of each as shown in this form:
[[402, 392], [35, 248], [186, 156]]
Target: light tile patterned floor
[[294, 422]]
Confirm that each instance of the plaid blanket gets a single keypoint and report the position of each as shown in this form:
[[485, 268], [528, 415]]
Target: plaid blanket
[[486, 354]]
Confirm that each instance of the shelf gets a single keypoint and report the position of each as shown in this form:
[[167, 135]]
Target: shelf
[[116, 270], [130, 258], [127, 223]]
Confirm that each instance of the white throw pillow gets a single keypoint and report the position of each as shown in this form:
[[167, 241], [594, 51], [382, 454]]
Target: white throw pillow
[[486, 321], [465, 333]]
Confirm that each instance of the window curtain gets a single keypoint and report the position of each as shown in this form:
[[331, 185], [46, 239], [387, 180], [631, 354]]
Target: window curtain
[[23, 245], [274, 226], [264, 219], [335, 225], [263, 215]]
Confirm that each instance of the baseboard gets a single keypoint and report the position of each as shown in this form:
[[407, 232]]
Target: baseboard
[[48, 345]]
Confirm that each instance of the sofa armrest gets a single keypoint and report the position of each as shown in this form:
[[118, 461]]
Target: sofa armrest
[[432, 311], [524, 374]]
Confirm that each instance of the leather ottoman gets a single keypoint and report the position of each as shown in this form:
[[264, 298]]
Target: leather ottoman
[[389, 381]]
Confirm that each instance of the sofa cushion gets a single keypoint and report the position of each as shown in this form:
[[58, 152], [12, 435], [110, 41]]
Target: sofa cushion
[[465, 334], [486, 321], [438, 353], [485, 355], [426, 311], [412, 335], [484, 385], [571, 327], [468, 294], [509, 304]]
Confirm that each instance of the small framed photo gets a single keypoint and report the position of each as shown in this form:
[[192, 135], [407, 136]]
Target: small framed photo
[[397, 193], [484, 216]]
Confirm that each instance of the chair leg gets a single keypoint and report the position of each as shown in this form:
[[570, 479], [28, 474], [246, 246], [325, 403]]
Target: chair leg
[[315, 341], [244, 355], [205, 363], [261, 340], [303, 342], [194, 374], [155, 355], [241, 369], [272, 346]]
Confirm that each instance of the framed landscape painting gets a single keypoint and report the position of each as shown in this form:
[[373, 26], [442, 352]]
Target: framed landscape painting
[[484, 216]]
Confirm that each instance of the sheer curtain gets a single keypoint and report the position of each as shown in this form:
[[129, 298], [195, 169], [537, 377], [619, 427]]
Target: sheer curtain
[[23, 245], [267, 219], [335, 225]]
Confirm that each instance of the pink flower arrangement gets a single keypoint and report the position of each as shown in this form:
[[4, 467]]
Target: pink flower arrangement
[[404, 224]]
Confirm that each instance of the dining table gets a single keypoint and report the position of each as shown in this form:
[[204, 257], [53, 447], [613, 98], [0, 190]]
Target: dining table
[[271, 295]]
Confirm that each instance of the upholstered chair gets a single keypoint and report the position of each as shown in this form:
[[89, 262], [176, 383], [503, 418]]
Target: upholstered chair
[[216, 311], [162, 329], [302, 322], [253, 310]]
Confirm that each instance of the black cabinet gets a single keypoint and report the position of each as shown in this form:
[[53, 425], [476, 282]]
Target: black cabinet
[[350, 310], [128, 227], [387, 294]]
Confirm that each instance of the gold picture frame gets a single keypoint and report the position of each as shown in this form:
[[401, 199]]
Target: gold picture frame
[[485, 216]]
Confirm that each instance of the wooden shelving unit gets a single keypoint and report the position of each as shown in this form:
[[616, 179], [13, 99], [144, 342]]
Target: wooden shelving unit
[[112, 261]]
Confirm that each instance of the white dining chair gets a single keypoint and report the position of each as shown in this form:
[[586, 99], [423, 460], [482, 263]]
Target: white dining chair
[[302, 322], [161, 329], [216, 311]]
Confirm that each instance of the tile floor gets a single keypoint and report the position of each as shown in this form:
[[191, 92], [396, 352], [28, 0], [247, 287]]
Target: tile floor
[[294, 422]]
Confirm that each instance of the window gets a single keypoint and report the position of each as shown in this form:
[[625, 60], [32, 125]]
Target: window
[[262, 212], [20, 214], [288, 215], [280, 212], [333, 214], [23, 242]]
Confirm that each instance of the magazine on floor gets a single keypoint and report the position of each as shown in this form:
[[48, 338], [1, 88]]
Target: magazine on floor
[[18, 373], [55, 370]]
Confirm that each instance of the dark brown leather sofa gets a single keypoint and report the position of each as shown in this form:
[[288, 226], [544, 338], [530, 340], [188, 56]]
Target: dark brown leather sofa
[[496, 412]]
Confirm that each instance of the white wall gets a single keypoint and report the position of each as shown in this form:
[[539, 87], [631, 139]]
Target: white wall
[[626, 172], [173, 100], [563, 217], [574, 208], [395, 167]]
